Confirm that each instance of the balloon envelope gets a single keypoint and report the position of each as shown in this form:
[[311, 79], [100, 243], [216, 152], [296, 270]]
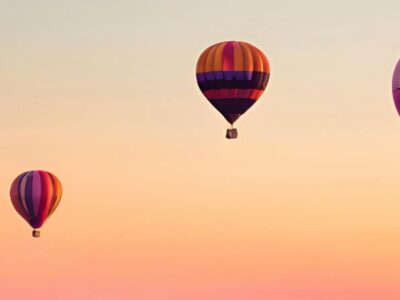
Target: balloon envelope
[[35, 195], [232, 76], [396, 86]]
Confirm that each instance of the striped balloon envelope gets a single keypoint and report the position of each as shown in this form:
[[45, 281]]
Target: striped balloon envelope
[[396, 86], [35, 195], [232, 76]]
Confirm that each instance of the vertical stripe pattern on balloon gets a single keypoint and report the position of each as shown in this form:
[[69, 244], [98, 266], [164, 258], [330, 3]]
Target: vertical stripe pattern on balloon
[[232, 76], [35, 195], [396, 86]]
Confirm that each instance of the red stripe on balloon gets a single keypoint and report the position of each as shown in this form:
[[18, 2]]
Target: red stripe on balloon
[[45, 199], [232, 93]]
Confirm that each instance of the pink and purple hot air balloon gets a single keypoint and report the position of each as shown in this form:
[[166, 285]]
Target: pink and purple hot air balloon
[[232, 76], [396, 86], [35, 195]]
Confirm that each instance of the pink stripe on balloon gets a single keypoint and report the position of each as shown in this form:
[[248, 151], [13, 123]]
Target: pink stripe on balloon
[[47, 191], [396, 78], [228, 57], [36, 192]]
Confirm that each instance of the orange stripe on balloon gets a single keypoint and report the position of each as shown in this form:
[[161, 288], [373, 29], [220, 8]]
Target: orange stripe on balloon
[[57, 193], [210, 59], [248, 64], [238, 57], [264, 60], [201, 63], [218, 56], [257, 61], [53, 182]]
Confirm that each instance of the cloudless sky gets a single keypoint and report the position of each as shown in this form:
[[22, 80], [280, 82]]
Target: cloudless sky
[[157, 204]]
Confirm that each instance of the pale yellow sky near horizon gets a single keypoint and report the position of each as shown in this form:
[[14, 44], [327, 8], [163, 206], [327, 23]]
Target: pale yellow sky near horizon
[[157, 203]]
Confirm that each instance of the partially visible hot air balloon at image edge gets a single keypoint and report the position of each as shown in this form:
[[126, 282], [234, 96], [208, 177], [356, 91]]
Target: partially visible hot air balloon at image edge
[[396, 86], [232, 76], [35, 195]]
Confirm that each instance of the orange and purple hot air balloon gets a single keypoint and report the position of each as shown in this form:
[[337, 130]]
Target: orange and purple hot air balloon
[[396, 86], [232, 76], [35, 196]]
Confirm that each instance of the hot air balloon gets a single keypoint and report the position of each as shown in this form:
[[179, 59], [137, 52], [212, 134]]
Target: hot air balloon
[[35, 195], [396, 86], [232, 76]]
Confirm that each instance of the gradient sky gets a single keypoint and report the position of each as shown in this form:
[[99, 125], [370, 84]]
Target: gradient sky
[[157, 204]]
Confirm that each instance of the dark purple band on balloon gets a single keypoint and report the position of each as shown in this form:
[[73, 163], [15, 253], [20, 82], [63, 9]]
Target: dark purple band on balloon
[[259, 80], [28, 194], [396, 97], [227, 75], [231, 109]]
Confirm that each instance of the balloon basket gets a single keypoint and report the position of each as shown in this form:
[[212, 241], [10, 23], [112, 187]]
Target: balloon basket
[[36, 233], [231, 133]]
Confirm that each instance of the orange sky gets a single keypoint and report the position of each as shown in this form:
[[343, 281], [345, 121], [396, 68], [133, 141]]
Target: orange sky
[[157, 203]]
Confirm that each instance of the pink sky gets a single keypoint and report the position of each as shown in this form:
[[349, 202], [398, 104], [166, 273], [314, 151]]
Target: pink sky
[[157, 204]]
